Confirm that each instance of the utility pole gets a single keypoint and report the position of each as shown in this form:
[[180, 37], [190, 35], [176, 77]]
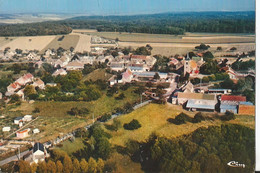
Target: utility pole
[[93, 118], [19, 154], [141, 98]]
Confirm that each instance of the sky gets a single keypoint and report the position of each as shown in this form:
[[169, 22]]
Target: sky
[[120, 7]]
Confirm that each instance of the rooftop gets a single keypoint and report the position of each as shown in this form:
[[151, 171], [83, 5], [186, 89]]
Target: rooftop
[[233, 98], [196, 96]]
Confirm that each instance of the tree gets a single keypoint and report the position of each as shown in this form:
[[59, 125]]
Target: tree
[[28, 90], [59, 166], [76, 166], [134, 124], [14, 98], [71, 49], [100, 165], [42, 167], [156, 76], [17, 68], [51, 167], [233, 48], [219, 48], [92, 165], [208, 56], [227, 84], [202, 46], [67, 164], [103, 148], [24, 166], [83, 165]]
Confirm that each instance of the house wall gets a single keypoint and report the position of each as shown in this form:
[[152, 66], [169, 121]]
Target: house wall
[[230, 110]]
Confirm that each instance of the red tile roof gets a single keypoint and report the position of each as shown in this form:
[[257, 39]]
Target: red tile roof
[[143, 57], [233, 98]]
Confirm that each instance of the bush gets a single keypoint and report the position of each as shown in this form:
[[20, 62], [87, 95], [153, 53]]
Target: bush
[[104, 118], [198, 118], [182, 118], [76, 111], [228, 116], [134, 124], [120, 97], [36, 110]]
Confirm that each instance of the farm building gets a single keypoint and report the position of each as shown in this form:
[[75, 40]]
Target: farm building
[[201, 105], [246, 108], [6, 129], [230, 103], [115, 66], [27, 78], [18, 120], [149, 75], [38, 152], [184, 97], [23, 133]]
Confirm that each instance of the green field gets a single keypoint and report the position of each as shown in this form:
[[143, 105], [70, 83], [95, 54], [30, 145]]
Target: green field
[[72, 146]]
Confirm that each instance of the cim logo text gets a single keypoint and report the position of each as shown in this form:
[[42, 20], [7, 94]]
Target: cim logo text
[[236, 164]]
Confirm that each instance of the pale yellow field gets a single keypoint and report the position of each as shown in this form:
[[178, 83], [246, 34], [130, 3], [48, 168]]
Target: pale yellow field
[[4, 41], [66, 43], [29, 43], [83, 43]]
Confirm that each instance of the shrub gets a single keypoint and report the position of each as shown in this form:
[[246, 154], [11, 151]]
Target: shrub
[[134, 124], [104, 118], [182, 118], [228, 116], [120, 97], [36, 110], [198, 118]]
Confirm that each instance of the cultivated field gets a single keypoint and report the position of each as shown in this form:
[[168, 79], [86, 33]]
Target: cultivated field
[[28, 43], [66, 43], [83, 43]]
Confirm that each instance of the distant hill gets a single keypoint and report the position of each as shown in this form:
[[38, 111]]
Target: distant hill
[[164, 23], [169, 23]]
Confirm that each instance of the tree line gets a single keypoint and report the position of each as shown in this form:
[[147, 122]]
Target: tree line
[[204, 150]]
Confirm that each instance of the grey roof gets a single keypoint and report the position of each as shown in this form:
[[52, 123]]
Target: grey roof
[[18, 118], [246, 103], [201, 104], [213, 89], [38, 146]]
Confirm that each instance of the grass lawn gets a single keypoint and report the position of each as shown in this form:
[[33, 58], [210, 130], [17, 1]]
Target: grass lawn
[[71, 147], [98, 74], [153, 118]]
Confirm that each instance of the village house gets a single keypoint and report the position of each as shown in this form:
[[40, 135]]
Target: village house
[[75, 65], [117, 66], [113, 80], [20, 93], [39, 83], [27, 118], [60, 71], [49, 53], [39, 152], [127, 76], [138, 67], [12, 88], [17, 120], [187, 88], [27, 78], [33, 56], [6, 129], [23, 134], [218, 91], [143, 59], [38, 64], [230, 103], [35, 131], [87, 59]]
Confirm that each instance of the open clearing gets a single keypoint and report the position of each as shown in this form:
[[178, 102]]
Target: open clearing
[[97, 74], [153, 118], [29, 43], [67, 42]]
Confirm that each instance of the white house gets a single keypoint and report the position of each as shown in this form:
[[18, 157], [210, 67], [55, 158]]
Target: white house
[[36, 131], [23, 133], [59, 72], [6, 129], [18, 120], [38, 152], [27, 118]]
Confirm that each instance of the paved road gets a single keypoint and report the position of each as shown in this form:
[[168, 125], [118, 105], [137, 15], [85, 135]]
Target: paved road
[[13, 158]]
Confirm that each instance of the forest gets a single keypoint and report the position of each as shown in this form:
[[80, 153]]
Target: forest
[[169, 23], [34, 29], [163, 23], [204, 150]]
